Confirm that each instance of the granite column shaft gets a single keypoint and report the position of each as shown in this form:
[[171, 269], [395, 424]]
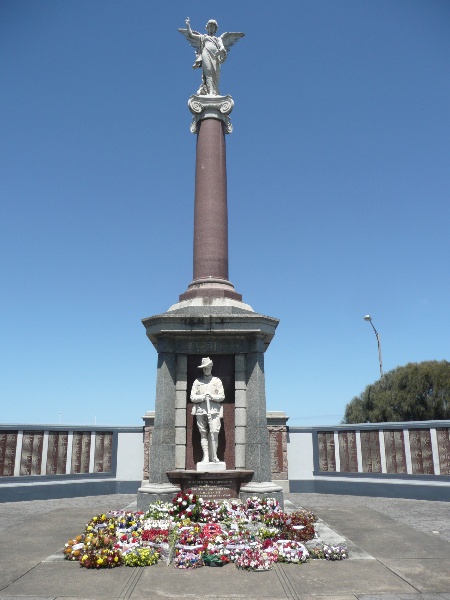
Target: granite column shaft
[[211, 212]]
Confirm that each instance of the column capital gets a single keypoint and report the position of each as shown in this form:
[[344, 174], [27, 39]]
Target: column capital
[[211, 107]]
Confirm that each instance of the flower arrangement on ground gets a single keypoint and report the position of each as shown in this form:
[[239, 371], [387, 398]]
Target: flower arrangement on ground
[[292, 552], [256, 558], [141, 557], [101, 559], [328, 552], [158, 510], [186, 505], [252, 534]]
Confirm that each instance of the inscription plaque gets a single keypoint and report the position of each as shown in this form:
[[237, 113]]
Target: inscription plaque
[[370, 452], [394, 445], [8, 444], [327, 460], [443, 441], [276, 451], [421, 452], [347, 451], [103, 451], [31, 455], [81, 448], [57, 453], [211, 486], [212, 489], [231, 346]]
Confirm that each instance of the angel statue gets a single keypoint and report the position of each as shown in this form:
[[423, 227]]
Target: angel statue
[[210, 52]]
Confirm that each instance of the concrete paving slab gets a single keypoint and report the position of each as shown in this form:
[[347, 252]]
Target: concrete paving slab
[[50, 579], [327, 597], [33, 540], [380, 597], [425, 575], [420, 596], [329, 536], [321, 577], [163, 581], [383, 537]]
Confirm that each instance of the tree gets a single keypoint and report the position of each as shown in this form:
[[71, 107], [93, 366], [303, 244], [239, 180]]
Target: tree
[[415, 392]]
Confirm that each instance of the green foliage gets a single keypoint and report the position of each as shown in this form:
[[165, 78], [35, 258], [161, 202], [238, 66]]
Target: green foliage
[[415, 392]]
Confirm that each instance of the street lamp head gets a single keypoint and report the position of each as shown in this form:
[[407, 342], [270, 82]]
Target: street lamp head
[[367, 318]]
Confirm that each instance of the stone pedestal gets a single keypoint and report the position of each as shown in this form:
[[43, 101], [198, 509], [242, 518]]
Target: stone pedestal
[[211, 467], [236, 338]]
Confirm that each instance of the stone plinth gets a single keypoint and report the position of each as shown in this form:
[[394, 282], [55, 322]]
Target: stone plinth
[[235, 338], [211, 467]]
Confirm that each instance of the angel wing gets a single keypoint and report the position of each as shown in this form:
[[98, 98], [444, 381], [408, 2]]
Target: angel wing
[[230, 38], [194, 41]]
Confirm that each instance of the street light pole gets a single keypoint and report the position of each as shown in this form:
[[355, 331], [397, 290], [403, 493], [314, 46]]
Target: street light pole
[[369, 318]]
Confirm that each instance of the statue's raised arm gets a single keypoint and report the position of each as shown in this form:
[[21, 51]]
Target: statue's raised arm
[[211, 51]]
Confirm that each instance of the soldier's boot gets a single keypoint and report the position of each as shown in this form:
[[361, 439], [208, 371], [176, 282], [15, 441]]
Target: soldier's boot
[[205, 448], [216, 442]]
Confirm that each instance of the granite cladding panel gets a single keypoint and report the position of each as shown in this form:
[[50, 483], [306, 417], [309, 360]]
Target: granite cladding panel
[[277, 443], [421, 452], [240, 456], [57, 453], [443, 441], [240, 417], [370, 452], [8, 445], [165, 399], [347, 452], [327, 460], [31, 456], [81, 449], [240, 435], [103, 452], [394, 444]]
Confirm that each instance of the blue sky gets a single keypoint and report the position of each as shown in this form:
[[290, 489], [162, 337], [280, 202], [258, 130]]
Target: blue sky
[[338, 192]]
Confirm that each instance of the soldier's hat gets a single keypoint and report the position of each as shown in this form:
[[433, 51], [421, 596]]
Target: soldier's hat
[[206, 362]]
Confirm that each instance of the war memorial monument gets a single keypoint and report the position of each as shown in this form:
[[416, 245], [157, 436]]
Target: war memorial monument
[[210, 429]]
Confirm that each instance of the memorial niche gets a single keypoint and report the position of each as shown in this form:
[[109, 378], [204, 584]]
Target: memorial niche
[[224, 370]]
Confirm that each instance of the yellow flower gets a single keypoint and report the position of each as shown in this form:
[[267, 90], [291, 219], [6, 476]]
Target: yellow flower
[[85, 557], [116, 559], [99, 561]]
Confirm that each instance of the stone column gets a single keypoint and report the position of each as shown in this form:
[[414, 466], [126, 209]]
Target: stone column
[[211, 122], [211, 211], [163, 439], [257, 448], [162, 450]]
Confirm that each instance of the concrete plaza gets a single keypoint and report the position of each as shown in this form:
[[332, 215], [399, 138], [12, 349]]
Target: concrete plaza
[[399, 549]]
